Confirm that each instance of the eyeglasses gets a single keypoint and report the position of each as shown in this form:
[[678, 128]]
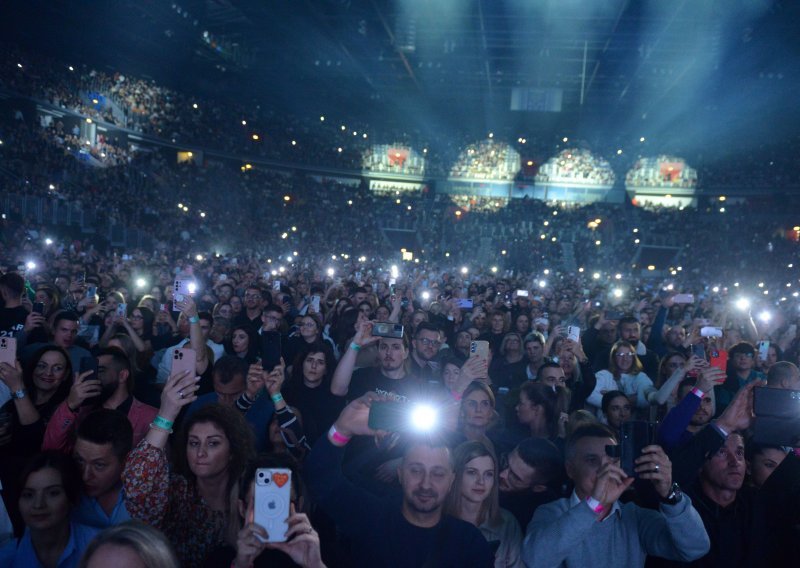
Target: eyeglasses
[[430, 342], [748, 355], [624, 355], [308, 324], [272, 318]]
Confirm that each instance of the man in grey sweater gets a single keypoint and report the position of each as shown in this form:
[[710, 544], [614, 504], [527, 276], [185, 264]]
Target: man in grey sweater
[[592, 529]]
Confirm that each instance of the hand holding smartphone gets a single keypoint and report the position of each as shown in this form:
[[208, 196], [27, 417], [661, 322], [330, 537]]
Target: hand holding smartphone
[[271, 501]]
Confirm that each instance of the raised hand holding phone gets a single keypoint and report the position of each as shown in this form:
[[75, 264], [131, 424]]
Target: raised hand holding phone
[[83, 388]]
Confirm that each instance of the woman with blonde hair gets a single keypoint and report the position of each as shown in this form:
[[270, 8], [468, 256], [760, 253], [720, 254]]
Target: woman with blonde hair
[[130, 544], [624, 373], [474, 498]]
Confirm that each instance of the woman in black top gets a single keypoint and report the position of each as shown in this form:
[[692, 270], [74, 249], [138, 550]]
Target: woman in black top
[[44, 384], [309, 390]]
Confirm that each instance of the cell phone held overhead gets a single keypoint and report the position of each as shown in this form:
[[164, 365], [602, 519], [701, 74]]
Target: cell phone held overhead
[[184, 359], [387, 329]]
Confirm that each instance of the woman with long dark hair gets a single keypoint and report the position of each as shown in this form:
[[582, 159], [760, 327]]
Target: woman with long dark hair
[[193, 503], [309, 389], [36, 393]]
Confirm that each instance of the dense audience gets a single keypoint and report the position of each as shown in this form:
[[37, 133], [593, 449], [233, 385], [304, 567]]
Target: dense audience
[[271, 383]]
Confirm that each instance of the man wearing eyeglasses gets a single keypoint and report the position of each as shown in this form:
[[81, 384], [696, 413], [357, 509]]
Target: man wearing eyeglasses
[[425, 356], [741, 372]]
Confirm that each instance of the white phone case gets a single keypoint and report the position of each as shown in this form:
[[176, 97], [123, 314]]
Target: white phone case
[[272, 498]]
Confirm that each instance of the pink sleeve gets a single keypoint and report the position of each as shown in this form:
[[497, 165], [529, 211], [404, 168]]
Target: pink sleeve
[[60, 429]]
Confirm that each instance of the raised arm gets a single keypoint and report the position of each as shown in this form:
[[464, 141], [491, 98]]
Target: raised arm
[[340, 383]]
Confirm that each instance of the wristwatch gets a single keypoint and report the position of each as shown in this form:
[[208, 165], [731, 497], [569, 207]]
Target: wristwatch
[[674, 497], [19, 394]]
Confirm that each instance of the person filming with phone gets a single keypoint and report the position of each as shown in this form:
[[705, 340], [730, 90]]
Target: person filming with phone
[[417, 533], [591, 527]]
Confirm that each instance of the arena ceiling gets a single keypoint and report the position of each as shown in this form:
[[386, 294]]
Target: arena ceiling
[[618, 57]]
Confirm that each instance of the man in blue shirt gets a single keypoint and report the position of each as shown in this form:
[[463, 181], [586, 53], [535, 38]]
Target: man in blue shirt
[[104, 439]]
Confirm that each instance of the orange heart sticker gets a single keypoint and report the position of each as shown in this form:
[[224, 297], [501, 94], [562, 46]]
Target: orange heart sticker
[[280, 479]]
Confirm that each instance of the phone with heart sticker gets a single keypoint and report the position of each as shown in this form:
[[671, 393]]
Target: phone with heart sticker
[[272, 497]]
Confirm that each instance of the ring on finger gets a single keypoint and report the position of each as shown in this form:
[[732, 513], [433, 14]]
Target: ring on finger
[[180, 393], [657, 467]]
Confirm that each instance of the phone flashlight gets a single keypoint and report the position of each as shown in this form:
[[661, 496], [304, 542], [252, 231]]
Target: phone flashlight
[[192, 287], [424, 417]]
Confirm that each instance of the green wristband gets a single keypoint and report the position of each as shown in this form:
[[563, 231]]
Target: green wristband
[[194, 319], [163, 423], [276, 398], [355, 346]]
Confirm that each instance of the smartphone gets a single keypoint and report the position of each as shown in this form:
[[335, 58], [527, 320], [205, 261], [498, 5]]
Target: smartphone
[[8, 350], [612, 315], [165, 307], [391, 416], [709, 331], [91, 291], [777, 416], [574, 333], [270, 350], [38, 308], [522, 293], [184, 359], [271, 501], [315, 303], [184, 288], [387, 329], [122, 310], [479, 349], [719, 359], [465, 304], [763, 350], [89, 364], [276, 285], [683, 298], [634, 435], [699, 350]]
